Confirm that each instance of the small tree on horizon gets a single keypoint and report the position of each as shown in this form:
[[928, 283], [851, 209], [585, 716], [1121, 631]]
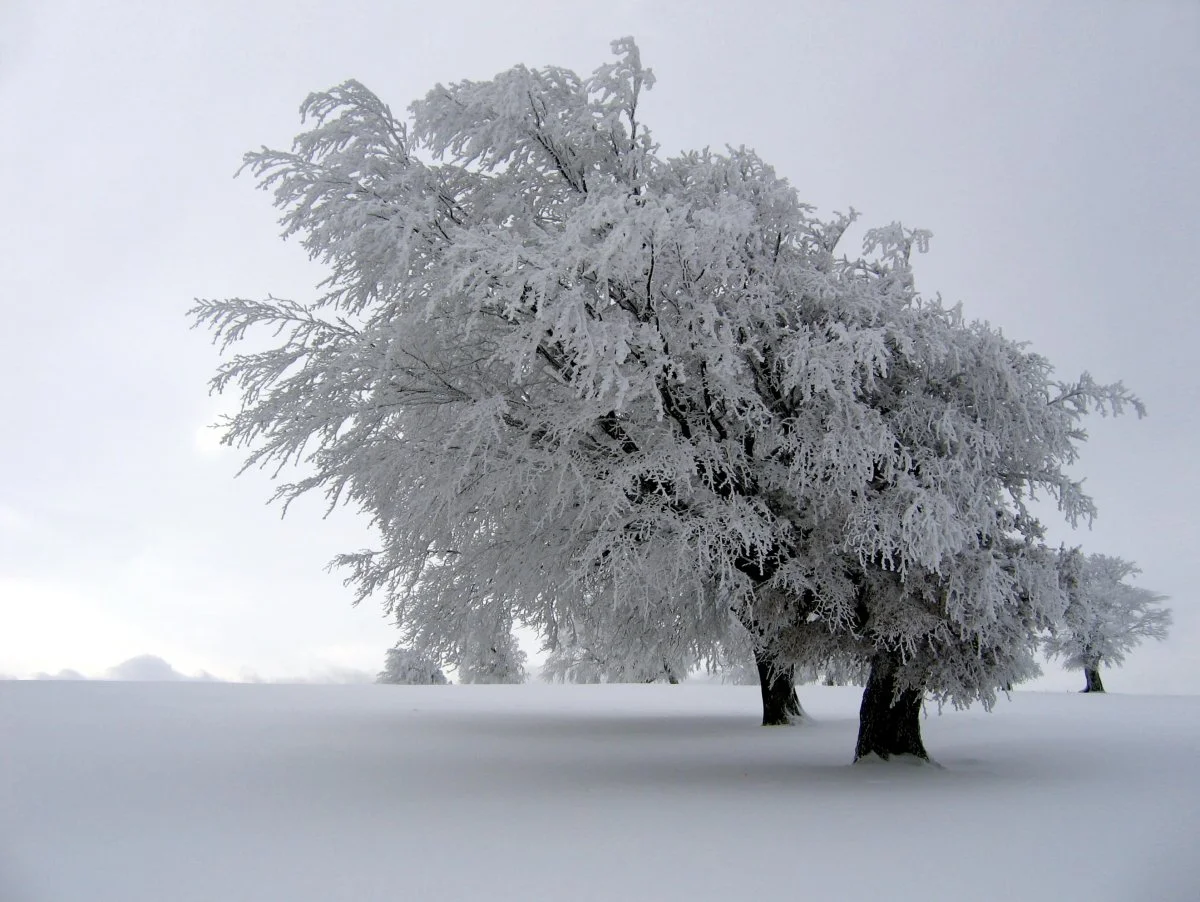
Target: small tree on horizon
[[486, 651], [1106, 617], [600, 646], [408, 666]]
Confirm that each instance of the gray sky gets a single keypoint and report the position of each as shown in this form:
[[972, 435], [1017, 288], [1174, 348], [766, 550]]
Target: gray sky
[[1050, 147]]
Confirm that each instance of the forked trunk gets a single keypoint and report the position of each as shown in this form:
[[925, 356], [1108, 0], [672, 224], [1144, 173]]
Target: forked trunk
[[1092, 675], [889, 723], [781, 705]]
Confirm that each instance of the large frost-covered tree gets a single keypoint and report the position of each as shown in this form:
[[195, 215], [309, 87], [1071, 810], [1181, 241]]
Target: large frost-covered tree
[[524, 357], [577, 385], [1106, 617]]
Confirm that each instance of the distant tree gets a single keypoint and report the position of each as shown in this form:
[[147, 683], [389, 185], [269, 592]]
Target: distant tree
[[560, 371], [570, 663], [1106, 617], [597, 646], [734, 661], [408, 666], [487, 651], [741, 672]]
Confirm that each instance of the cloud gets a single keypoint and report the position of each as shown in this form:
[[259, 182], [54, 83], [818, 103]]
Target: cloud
[[153, 669], [12, 521], [332, 674], [150, 669], [321, 675], [206, 441], [39, 610], [65, 674]]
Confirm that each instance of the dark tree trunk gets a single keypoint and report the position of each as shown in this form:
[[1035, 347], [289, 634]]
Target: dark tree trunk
[[781, 705], [1092, 675], [889, 724]]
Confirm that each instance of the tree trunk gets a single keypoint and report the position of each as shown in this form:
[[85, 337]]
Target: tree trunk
[[1092, 675], [889, 724], [781, 705]]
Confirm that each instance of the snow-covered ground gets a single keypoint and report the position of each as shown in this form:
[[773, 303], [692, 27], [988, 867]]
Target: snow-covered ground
[[208, 792]]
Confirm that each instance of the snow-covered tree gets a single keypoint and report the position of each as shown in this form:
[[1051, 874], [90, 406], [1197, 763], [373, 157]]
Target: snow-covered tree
[[486, 651], [735, 662], [408, 666], [507, 405], [956, 582], [1106, 617], [932, 567], [563, 374], [597, 645]]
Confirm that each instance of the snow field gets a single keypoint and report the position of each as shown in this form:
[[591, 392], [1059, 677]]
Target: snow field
[[195, 792]]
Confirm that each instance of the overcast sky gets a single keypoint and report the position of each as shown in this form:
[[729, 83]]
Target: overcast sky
[[1050, 147]]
